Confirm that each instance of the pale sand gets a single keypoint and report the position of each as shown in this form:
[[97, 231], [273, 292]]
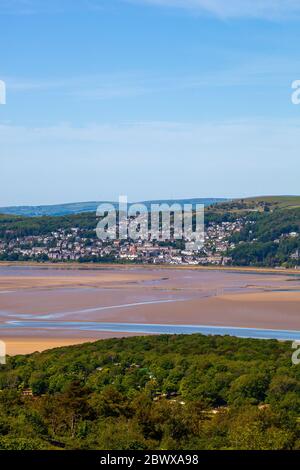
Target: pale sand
[[25, 345], [30, 345], [97, 279], [282, 296]]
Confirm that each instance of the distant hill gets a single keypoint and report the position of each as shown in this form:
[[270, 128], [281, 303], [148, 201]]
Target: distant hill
[[279, 202], [79, 207], [258, 204]]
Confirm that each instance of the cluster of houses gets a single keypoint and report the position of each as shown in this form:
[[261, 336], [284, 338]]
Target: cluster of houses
[[76, 244]]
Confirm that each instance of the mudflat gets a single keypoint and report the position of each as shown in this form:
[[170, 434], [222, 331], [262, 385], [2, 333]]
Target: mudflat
[[237, 298]]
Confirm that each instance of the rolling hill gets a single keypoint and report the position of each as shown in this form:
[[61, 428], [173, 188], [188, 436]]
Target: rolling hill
[[258, 204], [79, 207]]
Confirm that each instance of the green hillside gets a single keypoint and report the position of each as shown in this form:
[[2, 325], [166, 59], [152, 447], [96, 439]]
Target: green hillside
[[276, 202], [259, 204], [80, 207], [269, 239], [265, 239], [165, 392]]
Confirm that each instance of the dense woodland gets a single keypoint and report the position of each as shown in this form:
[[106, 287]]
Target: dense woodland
[[164, 392], [266, 241], [12, 226]]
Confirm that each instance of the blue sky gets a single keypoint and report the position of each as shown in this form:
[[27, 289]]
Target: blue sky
[[149, 98]]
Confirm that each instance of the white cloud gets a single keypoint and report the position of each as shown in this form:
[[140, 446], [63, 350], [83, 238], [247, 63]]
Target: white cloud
[[98, 87], [148, 160], [22, 7], [231, 137], [263, 71], [31, 7], [266, 9]]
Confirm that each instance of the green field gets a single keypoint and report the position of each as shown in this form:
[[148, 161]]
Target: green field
[[259, 204]]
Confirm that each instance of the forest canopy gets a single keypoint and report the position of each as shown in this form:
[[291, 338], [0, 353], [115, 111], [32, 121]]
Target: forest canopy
[[164, 392]]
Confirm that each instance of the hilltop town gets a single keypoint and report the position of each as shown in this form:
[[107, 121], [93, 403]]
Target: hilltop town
[[77, 244], [250, 232]]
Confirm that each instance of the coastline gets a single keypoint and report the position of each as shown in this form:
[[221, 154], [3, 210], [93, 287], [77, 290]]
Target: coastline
[[23, 345], [101, 266], [39, 305]]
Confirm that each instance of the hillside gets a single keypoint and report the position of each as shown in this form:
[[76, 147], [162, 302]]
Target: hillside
[[79, 207], [271, 238], [12, 225], [266, 233], [165, 392], [258, 204], [271, 230]]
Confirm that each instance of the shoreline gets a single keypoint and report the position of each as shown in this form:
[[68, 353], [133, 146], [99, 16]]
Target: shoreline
[[23, 345], [101, 266], [43, 299]]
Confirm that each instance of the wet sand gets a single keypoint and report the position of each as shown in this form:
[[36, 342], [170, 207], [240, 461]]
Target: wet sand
[[88, 266], [139, 295]]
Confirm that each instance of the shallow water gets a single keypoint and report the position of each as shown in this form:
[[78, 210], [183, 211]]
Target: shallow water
[[145, 300], [158, 329]]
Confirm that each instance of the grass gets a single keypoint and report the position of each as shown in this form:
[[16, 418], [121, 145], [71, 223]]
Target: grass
[[257, 204]]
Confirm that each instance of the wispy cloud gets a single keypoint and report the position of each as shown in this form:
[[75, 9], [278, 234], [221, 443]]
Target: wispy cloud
[[265, 9], [247, 134], [94, 87], [263, 71], [31, 7], [70, 163], [25, 7]]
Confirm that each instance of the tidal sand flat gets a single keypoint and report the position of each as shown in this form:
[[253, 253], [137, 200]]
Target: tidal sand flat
[[39, 305]]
